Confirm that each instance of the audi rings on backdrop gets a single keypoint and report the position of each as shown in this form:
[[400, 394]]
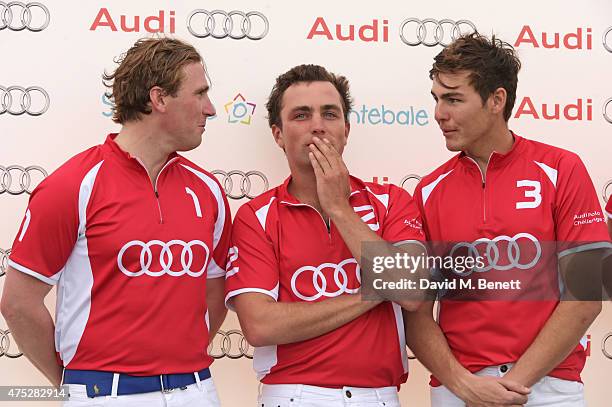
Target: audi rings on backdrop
[[604, 350], [4, 257], [607, 116], [435, 34], [234, 24], [17, 100], [604, 192], [245, 184], [607, 39], [231, 344], [5, 345], [16, 179], [17, 16], [408, 178]]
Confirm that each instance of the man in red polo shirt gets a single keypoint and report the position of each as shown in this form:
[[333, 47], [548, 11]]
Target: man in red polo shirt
[[522, 206], [293, 274], [135, 237]]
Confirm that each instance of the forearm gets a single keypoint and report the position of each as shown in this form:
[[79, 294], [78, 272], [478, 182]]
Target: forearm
[[559, 336], [276, 323], [215, 301], [355, 233], [353, 230], [33, 330], [216, 319], [428, 343]]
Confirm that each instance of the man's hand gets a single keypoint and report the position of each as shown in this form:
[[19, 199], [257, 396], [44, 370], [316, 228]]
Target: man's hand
[[333, 186], [488, 391]]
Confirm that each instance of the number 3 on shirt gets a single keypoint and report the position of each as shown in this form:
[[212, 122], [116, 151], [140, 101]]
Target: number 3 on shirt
[[534, 192]]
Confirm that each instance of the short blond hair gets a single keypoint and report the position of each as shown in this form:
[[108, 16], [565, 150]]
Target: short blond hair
[[149, 62]]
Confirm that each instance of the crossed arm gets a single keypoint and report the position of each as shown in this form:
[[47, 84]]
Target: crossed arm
[[30, 322]]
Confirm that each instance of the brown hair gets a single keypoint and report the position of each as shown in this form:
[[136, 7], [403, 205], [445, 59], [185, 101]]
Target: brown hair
[[306, 73], [492, 64], [150, 62]]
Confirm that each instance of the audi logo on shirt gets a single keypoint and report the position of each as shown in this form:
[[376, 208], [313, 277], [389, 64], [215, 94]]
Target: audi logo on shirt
[[157, 258], [521, 251], [309, 283]]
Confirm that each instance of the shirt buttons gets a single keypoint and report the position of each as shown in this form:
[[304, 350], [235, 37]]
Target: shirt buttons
[[349, 394], [503, 368]]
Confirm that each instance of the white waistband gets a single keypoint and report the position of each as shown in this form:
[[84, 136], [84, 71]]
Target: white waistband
[[297, 390]]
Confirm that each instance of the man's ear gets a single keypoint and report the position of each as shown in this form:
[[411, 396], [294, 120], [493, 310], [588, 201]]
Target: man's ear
[[498, 100], [347, 130], [158, 99], [277, 133]]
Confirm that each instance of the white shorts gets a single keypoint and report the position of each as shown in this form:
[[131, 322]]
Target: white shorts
[[193, 395], [301, 395], [549, 391]]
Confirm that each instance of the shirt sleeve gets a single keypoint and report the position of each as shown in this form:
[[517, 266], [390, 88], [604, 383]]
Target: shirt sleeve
[[252, 262], [48, 231], [403, 220], [579, 222], [221, 239]]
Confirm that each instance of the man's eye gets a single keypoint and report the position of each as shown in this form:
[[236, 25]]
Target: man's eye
[[330, 114]]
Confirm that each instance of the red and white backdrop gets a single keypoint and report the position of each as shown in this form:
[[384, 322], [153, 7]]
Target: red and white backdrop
[[53, 54]]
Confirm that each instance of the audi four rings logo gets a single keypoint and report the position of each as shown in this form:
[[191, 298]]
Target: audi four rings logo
[[244, 183], [607, 39], [17, 100], [4, 257], [221, 24], [606, 115], [16, 179], [492, 253], [605, 195], [5, 345], [17, 16], [604, 350], [166, 258], [319, 281], [430, 32], [222, 345]]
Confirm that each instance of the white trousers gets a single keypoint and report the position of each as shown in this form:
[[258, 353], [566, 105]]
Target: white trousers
[[548, 392], [300, 395], [193, 395]]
